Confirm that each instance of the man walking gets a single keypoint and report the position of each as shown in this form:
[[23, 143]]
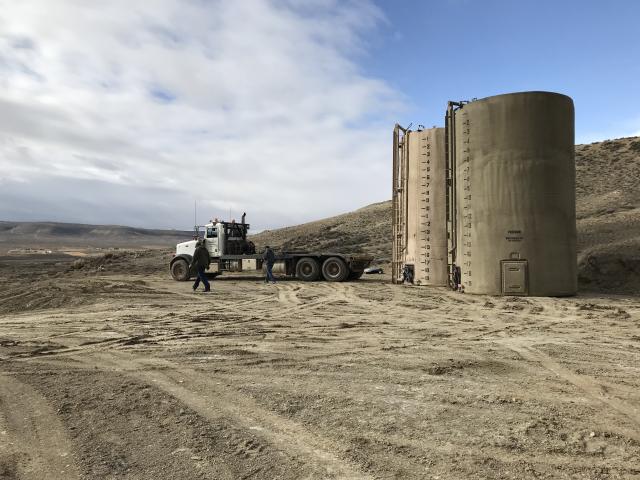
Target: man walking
[[269, 259], [201, 261]]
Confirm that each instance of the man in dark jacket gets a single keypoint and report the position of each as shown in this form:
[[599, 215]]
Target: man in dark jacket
[[269, 259], [201, 261]]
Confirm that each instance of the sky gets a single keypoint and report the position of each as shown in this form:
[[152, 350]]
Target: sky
[[128, 113]]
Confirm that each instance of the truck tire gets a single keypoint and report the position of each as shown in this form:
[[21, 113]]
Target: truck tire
[[180, 270], [355, 275], [308, 269], [334, 269]]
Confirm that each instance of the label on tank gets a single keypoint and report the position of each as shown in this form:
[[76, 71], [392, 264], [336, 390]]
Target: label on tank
[[514, 236]]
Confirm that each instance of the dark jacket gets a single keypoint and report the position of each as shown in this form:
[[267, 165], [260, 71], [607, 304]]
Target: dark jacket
[[201, 258], [269, 257]]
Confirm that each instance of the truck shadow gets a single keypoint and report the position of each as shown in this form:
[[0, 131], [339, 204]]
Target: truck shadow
[[260, 278], [246, 278]]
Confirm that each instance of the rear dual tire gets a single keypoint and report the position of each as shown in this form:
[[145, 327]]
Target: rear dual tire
[[334, 269], [308, 269]]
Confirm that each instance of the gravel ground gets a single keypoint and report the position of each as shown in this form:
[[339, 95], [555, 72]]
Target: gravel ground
[[120, 372]]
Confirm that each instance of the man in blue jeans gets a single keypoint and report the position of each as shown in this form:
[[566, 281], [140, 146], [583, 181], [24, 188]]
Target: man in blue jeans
[[269, 259], [201, 261]]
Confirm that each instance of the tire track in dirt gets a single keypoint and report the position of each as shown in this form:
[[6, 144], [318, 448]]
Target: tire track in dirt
[[214, 297], [125, 339], [331, 293], [33, 441], [341, 292], [287, 294], [6, 298], [213, 401], [288, 297], [305, 307], [398, 302], [592, 388], [83, 348]]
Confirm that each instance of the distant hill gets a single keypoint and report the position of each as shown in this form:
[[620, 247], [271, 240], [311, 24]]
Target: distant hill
[[608, 212], [69, 235]]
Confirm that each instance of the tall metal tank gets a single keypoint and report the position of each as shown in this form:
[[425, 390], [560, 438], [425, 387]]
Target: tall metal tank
[[420, 235], [514, 221]]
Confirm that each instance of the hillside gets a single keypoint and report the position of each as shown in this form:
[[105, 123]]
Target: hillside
[[608, 209], [608, 212], [16, 235], [364, 230]]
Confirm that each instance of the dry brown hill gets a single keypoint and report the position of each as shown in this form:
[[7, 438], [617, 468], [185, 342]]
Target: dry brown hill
[[608, 209], [72, 235], [365, 230]]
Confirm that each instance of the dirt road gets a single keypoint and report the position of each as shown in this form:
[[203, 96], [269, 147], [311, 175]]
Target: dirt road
[[136, 377]]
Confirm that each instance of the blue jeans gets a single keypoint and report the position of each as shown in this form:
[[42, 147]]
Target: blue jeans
[[269, 274], [201, 276]]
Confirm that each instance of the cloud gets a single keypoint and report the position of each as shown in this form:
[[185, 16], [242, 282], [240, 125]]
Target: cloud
[[256, 106]]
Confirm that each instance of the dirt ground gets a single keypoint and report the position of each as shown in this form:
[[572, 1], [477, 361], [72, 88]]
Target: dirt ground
[[107, 373]]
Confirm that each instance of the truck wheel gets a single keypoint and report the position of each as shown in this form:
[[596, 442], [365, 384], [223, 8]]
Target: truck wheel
[[355, 275], [180, 270], [334, 270], [307, 269]]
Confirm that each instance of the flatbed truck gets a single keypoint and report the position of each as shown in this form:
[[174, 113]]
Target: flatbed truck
[[231, 251]]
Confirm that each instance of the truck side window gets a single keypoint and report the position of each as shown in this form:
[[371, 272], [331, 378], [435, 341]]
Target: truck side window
[[212, 232]]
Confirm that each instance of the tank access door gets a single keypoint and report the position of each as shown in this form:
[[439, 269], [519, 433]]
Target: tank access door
[[515, 277]]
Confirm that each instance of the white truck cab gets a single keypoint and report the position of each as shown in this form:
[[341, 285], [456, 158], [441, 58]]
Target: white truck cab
[[214, 239]]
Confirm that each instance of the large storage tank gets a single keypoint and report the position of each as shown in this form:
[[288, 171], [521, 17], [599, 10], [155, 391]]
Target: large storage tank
[[419, 198], [514, 187]]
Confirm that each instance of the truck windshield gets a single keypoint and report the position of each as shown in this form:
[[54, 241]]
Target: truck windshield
[[212, 232]]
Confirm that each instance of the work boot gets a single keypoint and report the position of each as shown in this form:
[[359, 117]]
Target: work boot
[[207, 289]]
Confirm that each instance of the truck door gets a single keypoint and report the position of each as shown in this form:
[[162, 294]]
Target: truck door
[[212, 240]]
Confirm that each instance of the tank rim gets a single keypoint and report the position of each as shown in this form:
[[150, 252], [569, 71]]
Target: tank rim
[[526, 92]]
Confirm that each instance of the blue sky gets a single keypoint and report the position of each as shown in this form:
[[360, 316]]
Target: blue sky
[[433, 51], [126, 112]]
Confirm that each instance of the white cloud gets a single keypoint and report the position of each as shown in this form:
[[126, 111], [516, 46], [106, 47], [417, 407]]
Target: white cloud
[[252, 105]]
